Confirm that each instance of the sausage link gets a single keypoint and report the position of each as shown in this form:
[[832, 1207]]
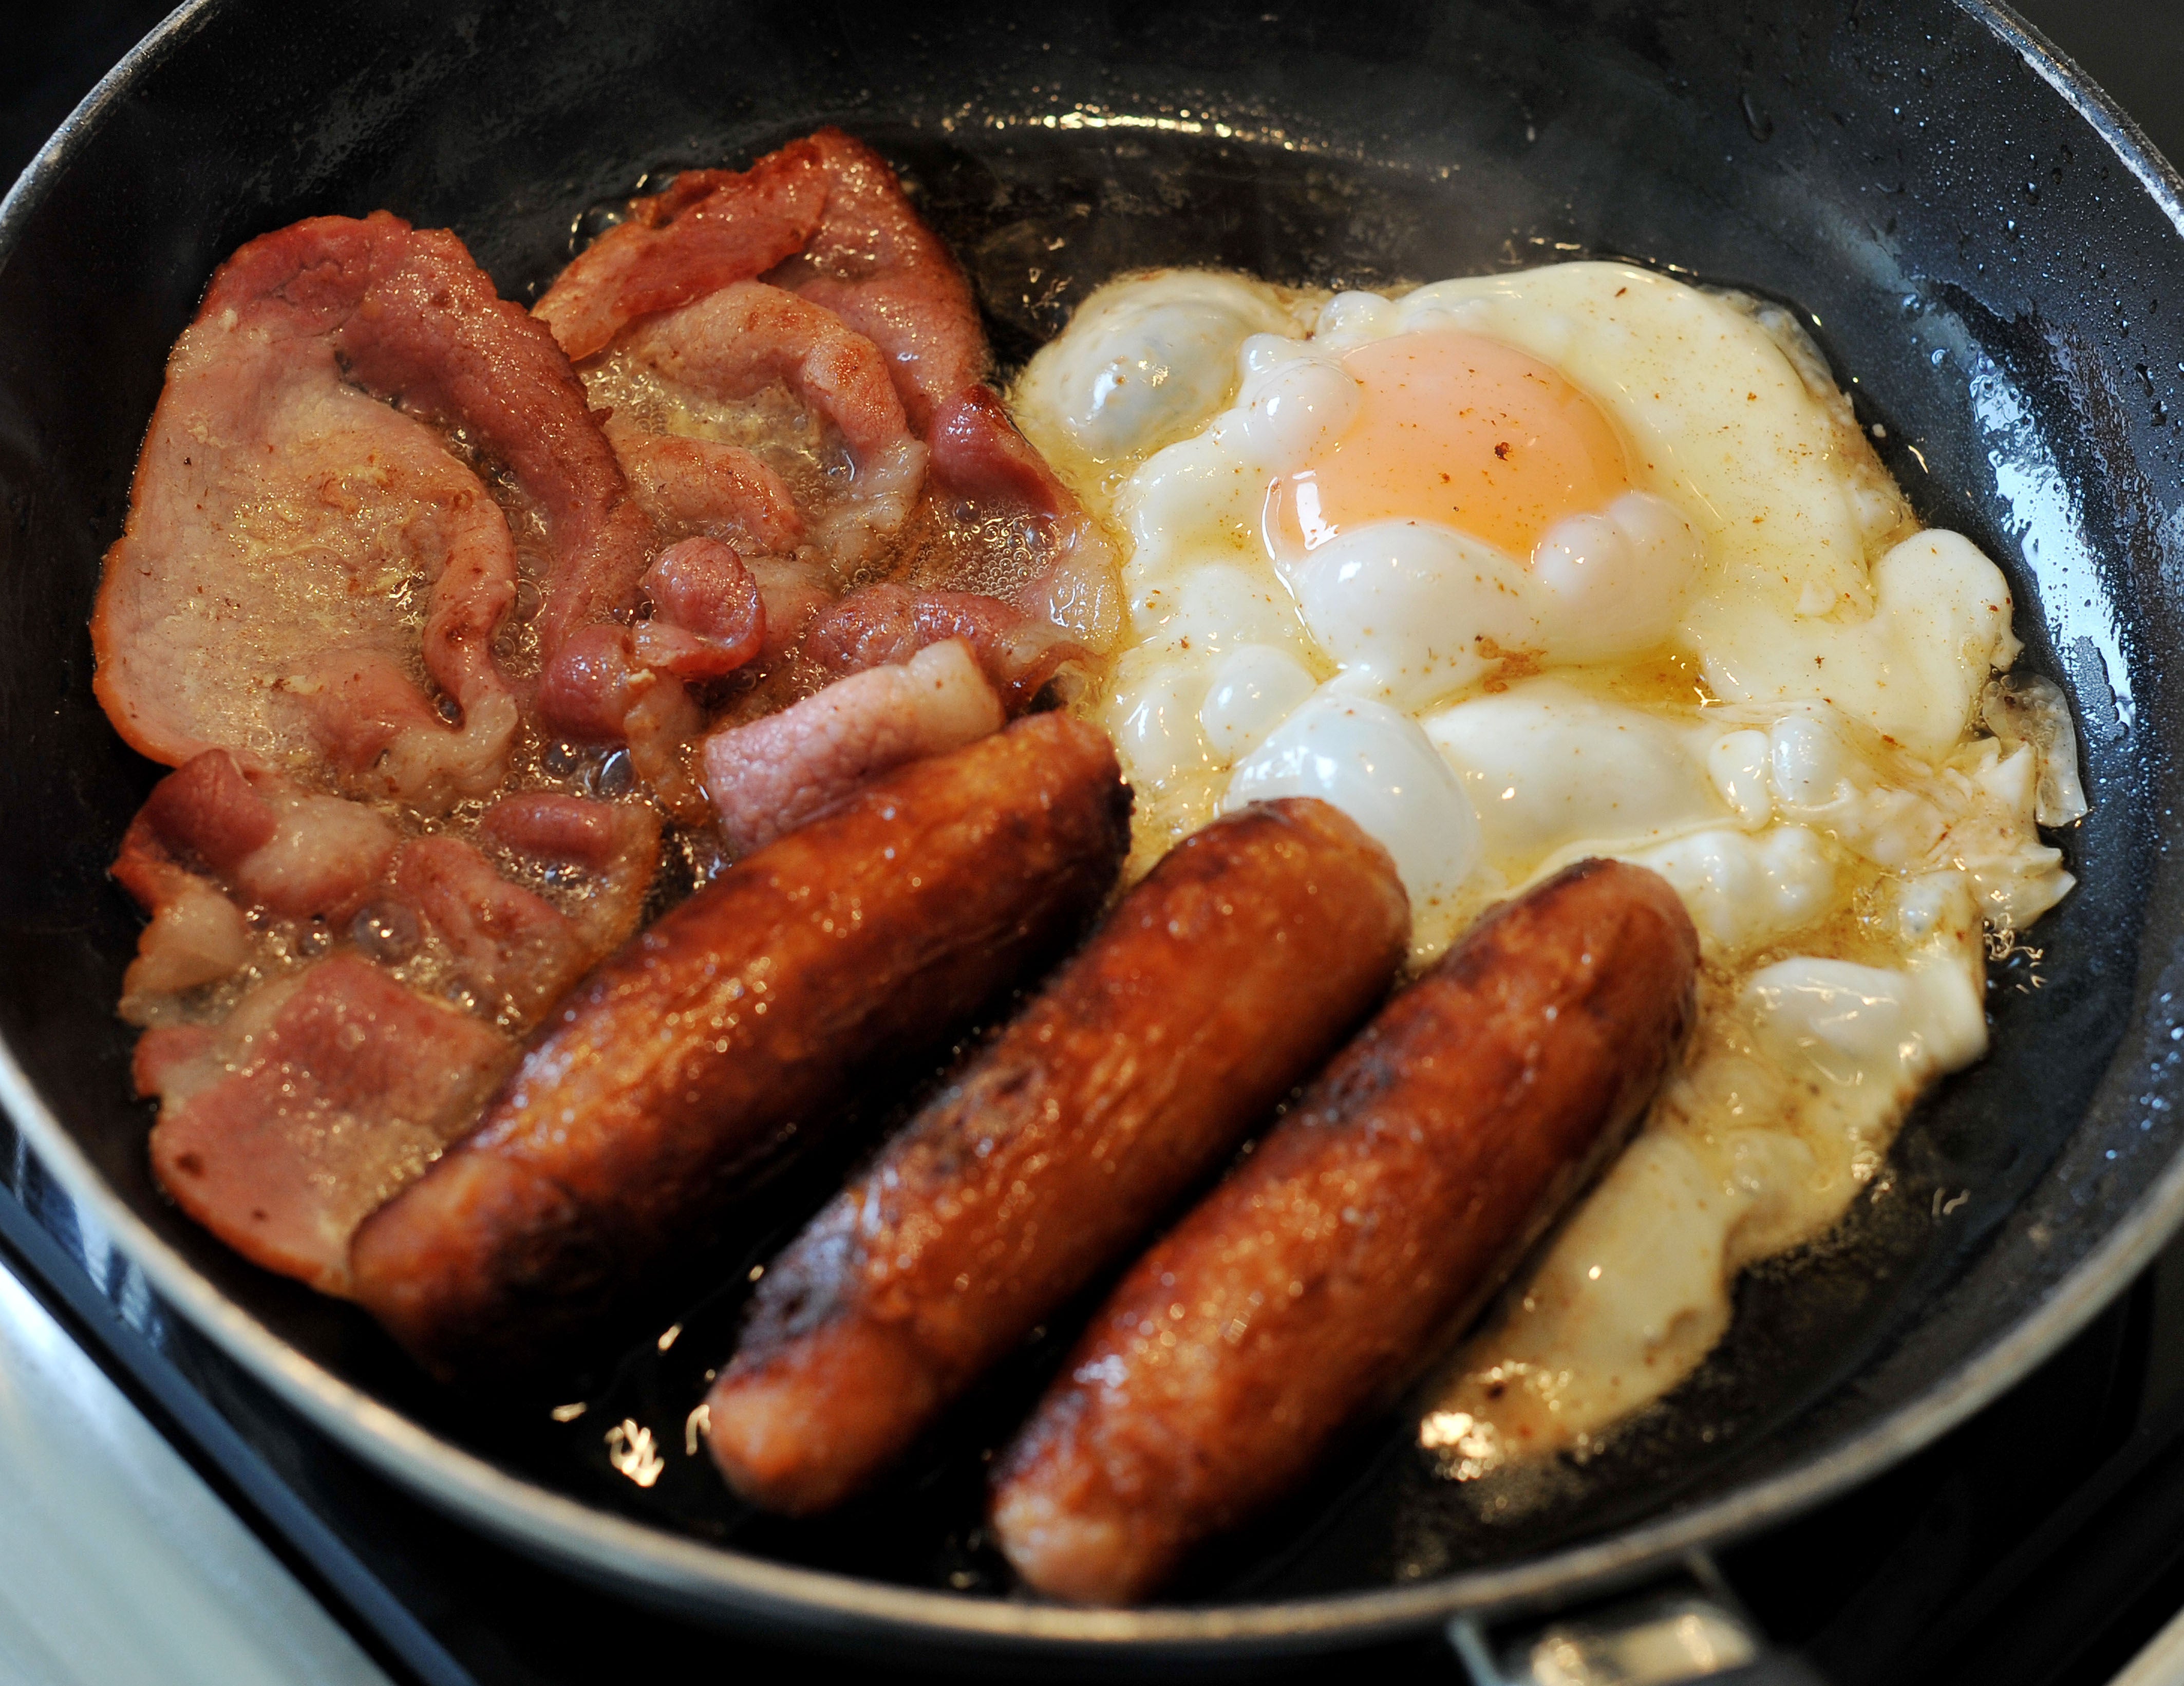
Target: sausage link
[[1313, 1283], [1216, 984], [746, 1015]]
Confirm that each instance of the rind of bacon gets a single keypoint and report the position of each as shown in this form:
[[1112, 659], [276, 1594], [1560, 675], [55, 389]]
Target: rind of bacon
[[795, 594], [196, 936], [265, 454], [771, 776]]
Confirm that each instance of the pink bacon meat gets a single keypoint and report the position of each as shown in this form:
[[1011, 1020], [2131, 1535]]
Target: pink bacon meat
[[1017, 652], [708, 488], [708, 619], [978, 452], [612, 681], [875, 263], [709, 228], [209, 844], [207, 811], [325, 1089], [208, 831], [316, 1099], [735, 343], [707, 612], [863, 255], [287, 520], [872, 261]]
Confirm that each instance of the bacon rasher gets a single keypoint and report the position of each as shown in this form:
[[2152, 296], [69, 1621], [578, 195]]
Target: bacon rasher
[[301, 536]]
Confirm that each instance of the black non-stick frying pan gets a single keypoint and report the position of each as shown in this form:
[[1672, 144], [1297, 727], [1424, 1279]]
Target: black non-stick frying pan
[[1992, 258]]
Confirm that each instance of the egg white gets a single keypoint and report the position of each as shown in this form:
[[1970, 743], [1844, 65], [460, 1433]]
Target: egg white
[[1752, 673]]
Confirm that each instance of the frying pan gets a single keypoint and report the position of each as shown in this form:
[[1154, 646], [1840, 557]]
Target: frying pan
[[1987, 251]]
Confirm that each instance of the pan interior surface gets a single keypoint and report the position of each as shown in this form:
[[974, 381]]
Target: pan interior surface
[[1994, 269]]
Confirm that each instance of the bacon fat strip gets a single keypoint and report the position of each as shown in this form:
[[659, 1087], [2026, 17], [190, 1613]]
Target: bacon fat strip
[[1221, 981], [750, 1012], [770, 776], [1318, 1278]]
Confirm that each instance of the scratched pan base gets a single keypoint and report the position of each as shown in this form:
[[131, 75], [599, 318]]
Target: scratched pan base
[[1973, 255]]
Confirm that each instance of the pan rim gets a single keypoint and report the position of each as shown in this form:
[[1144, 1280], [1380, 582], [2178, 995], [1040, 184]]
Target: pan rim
[[845, 1612]]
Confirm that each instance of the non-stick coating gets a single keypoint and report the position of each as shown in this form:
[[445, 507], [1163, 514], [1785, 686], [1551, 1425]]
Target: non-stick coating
[[1981, 246]]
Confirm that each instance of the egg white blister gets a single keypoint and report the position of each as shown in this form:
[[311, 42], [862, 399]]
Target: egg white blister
[[1252, 691], [1418, 611], [1744, 892], [1550, 769], [1144, 365], [1377, 766]]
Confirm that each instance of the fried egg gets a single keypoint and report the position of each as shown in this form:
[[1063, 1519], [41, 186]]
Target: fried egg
[[1573, 562]]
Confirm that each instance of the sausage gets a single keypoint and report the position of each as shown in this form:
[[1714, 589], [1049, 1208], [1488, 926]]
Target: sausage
[[1219, 983], [743, 1017], [1316, 1280]]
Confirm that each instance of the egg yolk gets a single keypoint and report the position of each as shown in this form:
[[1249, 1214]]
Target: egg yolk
[[1455, 428]]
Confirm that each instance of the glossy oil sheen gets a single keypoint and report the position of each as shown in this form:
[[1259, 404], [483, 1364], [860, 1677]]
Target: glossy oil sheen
[[1994, 269]]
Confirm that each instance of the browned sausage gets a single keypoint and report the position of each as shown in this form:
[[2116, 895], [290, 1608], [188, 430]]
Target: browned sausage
[[1219, 983], [1316, 1280], [744, 1015]]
